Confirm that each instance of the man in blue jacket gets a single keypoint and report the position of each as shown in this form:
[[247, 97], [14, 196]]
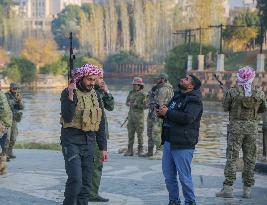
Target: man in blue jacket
[[179, 136]]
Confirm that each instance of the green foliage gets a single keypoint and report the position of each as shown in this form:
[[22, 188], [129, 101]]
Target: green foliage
[[67, 21], [176, 60], [33, 145], [124, 57], [237, 38], [13, 73], [24, 70], [262, 6], [58, 68], [79, 61]]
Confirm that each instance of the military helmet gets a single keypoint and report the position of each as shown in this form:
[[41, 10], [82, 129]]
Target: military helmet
[[164, 75], [138, 81], [13, 86]]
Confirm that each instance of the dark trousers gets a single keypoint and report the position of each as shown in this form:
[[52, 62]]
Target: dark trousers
[[3, 140], [79, 168]]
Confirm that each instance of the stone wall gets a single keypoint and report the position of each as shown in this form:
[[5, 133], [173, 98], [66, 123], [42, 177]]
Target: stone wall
[[131, 70], [211, 89], [43, 81]]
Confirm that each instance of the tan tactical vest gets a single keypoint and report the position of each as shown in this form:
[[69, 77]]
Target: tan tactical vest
[[246, 108], [88, 114]]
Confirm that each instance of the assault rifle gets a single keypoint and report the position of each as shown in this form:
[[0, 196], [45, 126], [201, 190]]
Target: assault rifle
[[124, 121], [220, 82], [71, 59]]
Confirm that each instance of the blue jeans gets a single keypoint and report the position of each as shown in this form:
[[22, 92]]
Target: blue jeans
[[178, 160]]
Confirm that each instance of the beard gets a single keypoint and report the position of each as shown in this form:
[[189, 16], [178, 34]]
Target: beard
[[181, 87], [84, 88]]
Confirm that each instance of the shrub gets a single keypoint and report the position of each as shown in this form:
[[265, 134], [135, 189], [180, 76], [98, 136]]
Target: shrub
[[176, 60]]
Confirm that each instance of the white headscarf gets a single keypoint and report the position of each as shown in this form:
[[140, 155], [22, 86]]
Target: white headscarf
[[245, 78]]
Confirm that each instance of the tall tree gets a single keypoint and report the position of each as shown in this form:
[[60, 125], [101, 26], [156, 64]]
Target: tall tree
[[40, 52], [67, 21], [238, 38], [262, 6]]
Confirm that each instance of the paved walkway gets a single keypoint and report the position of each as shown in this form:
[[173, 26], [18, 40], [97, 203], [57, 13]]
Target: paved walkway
[[37, 177]]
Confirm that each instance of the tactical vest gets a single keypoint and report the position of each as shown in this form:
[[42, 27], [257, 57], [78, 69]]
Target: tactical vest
[[246, 108], [87, 114]]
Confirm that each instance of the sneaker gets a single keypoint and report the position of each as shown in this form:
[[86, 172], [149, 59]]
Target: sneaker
[[98, 199]]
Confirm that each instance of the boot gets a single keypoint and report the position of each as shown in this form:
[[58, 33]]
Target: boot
[[157, 155], [246, 192], [149, 152], [129, 151], [11, 154], [140, 150], [226, 192]]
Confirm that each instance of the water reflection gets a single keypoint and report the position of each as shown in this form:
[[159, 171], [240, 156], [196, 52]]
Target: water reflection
[[40, 123]]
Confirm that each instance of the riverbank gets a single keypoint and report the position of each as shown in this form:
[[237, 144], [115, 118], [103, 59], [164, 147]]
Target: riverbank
[[37, 177]]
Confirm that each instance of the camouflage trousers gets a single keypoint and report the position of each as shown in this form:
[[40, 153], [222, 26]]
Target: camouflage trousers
[[11, 137], [135, 126], [235, 142], [154, 128], [97, 172]]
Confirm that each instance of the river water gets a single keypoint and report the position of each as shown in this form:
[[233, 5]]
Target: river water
[[40, 123]]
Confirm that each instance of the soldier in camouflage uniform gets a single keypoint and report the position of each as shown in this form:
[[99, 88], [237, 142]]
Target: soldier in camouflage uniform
[[243, 102], [108, 104], [159, 95], [136, 100], [5, 120], [15, 101]]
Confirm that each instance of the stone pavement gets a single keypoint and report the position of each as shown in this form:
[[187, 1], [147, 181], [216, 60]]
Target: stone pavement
[[37, 177]]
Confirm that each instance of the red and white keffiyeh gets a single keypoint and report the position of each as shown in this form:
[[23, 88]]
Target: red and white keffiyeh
[[85, 70], [245, 77]]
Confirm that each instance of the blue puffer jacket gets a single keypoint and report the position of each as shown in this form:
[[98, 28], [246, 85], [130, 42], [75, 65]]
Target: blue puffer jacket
[[182, 120]]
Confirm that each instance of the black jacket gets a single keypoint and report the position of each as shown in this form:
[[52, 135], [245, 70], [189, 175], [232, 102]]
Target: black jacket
[[77, 136], [182, 120]]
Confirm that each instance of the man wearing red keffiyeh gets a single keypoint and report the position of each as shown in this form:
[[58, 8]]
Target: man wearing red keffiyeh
[[82, 124], [243, 102]]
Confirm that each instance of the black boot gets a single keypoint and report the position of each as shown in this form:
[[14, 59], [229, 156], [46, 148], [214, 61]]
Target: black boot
[[129, 151], [140, 150], [149, 152]]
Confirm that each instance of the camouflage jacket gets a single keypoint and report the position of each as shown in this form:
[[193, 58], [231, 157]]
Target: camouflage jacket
[[108, 104], [159, 94], [232, 104], [136, 100], [5, 111], [15, 104]]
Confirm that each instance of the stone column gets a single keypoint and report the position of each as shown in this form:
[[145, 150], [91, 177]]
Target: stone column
[[189, 63], [200, 60], [260, 62], [220, 63]]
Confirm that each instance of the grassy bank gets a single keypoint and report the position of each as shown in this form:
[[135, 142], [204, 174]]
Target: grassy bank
[[33, 145]]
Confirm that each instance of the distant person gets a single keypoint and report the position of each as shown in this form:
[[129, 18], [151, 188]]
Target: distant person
[[83, 123], [108, 103], [181, 122], [243, 102], [136, 100], [159, 95], [15, 102]]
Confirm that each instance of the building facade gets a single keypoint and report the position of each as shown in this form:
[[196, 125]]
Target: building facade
[[38, 14]]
